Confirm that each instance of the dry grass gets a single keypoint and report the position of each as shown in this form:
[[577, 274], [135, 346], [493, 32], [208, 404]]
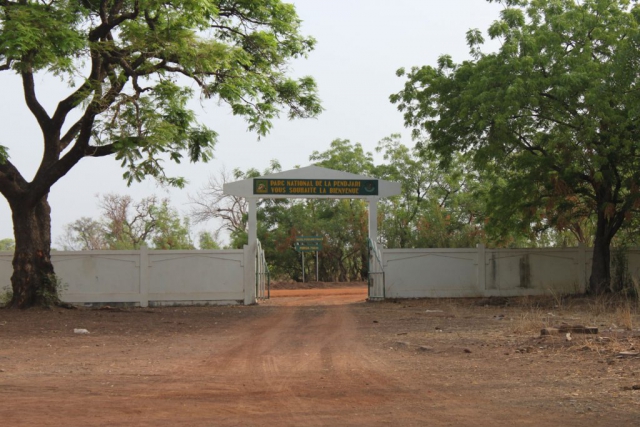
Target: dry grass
[[531, 322], [606, 312], [624, 316]]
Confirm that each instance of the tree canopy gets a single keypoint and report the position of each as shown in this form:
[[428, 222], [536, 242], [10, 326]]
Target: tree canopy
[[131, 66], [553, 115], [128, 224]]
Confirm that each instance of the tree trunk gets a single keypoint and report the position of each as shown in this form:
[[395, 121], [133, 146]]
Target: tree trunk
[[601, 261], [33, 279]]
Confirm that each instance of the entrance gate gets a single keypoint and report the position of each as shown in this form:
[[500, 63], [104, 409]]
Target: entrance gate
[[311, 182]]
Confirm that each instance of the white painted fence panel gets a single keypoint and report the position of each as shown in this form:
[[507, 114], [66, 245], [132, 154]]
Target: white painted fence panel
[[415, 273], [6, 270], [533, 271], [196, 276], [191, 277], [433, 273], [98, 276], [146, 277]]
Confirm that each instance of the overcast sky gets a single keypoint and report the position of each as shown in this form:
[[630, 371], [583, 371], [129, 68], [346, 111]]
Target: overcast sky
[[360, 45]]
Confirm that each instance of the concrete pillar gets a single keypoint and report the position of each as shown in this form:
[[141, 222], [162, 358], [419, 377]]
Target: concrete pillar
[[144, 276], [249, 274], [250, 253], [482, 268], [252, 225], [373, 219]]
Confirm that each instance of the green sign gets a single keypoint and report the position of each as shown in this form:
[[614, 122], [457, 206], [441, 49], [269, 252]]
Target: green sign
[[308, 239], [308, 243], [316, 187], [308, 248]]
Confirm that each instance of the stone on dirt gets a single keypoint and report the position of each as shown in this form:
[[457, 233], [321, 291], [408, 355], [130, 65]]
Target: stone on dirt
[[563, 329]]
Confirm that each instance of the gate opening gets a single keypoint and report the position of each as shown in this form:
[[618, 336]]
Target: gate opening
[[311, 182]]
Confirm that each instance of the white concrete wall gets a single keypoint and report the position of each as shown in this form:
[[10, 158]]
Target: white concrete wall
[[433, 273], [533, 271], [437, 273], [146, 277], [195, 277], [6, 270]]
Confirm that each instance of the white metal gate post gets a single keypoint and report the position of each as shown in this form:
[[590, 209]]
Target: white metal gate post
[[373, 219], [252, 225], [250, 253]]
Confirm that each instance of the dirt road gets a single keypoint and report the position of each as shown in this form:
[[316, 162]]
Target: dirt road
[[304, 358]]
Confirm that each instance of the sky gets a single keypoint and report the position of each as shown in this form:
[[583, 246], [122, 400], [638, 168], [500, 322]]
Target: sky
[[360, 45]]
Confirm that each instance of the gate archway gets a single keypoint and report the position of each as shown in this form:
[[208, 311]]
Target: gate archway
[[311, 182]]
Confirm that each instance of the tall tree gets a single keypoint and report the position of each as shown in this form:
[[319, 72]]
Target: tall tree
[[555, 112], [132, 64]]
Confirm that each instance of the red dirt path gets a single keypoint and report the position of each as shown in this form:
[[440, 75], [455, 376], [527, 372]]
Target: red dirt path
[[318, 357]]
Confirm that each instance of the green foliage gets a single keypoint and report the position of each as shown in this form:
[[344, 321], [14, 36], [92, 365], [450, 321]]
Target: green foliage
[[552, 116], [207, 240], [436, 208], [49, 294], [84, 234], [6, 295], [126, 224], [344, 156], [621, 278], [131, 67], [170, 231], [7, 245]]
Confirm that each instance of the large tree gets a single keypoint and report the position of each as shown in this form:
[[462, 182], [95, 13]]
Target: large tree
[[555, 112], [131, 65]]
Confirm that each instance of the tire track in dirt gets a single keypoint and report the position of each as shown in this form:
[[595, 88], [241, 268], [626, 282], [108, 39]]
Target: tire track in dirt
[[305, 363], [292, 361]]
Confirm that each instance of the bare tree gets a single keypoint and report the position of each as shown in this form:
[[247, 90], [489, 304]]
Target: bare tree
[[211, 203], [129, 223]]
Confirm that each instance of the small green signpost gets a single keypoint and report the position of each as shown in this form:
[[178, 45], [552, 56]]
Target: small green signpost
[[308, 244]]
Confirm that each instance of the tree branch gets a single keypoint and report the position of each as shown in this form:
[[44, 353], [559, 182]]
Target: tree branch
[[70, 102], [109, 23], [70, 135], [34, 105], [12, 184], [99, 151]]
